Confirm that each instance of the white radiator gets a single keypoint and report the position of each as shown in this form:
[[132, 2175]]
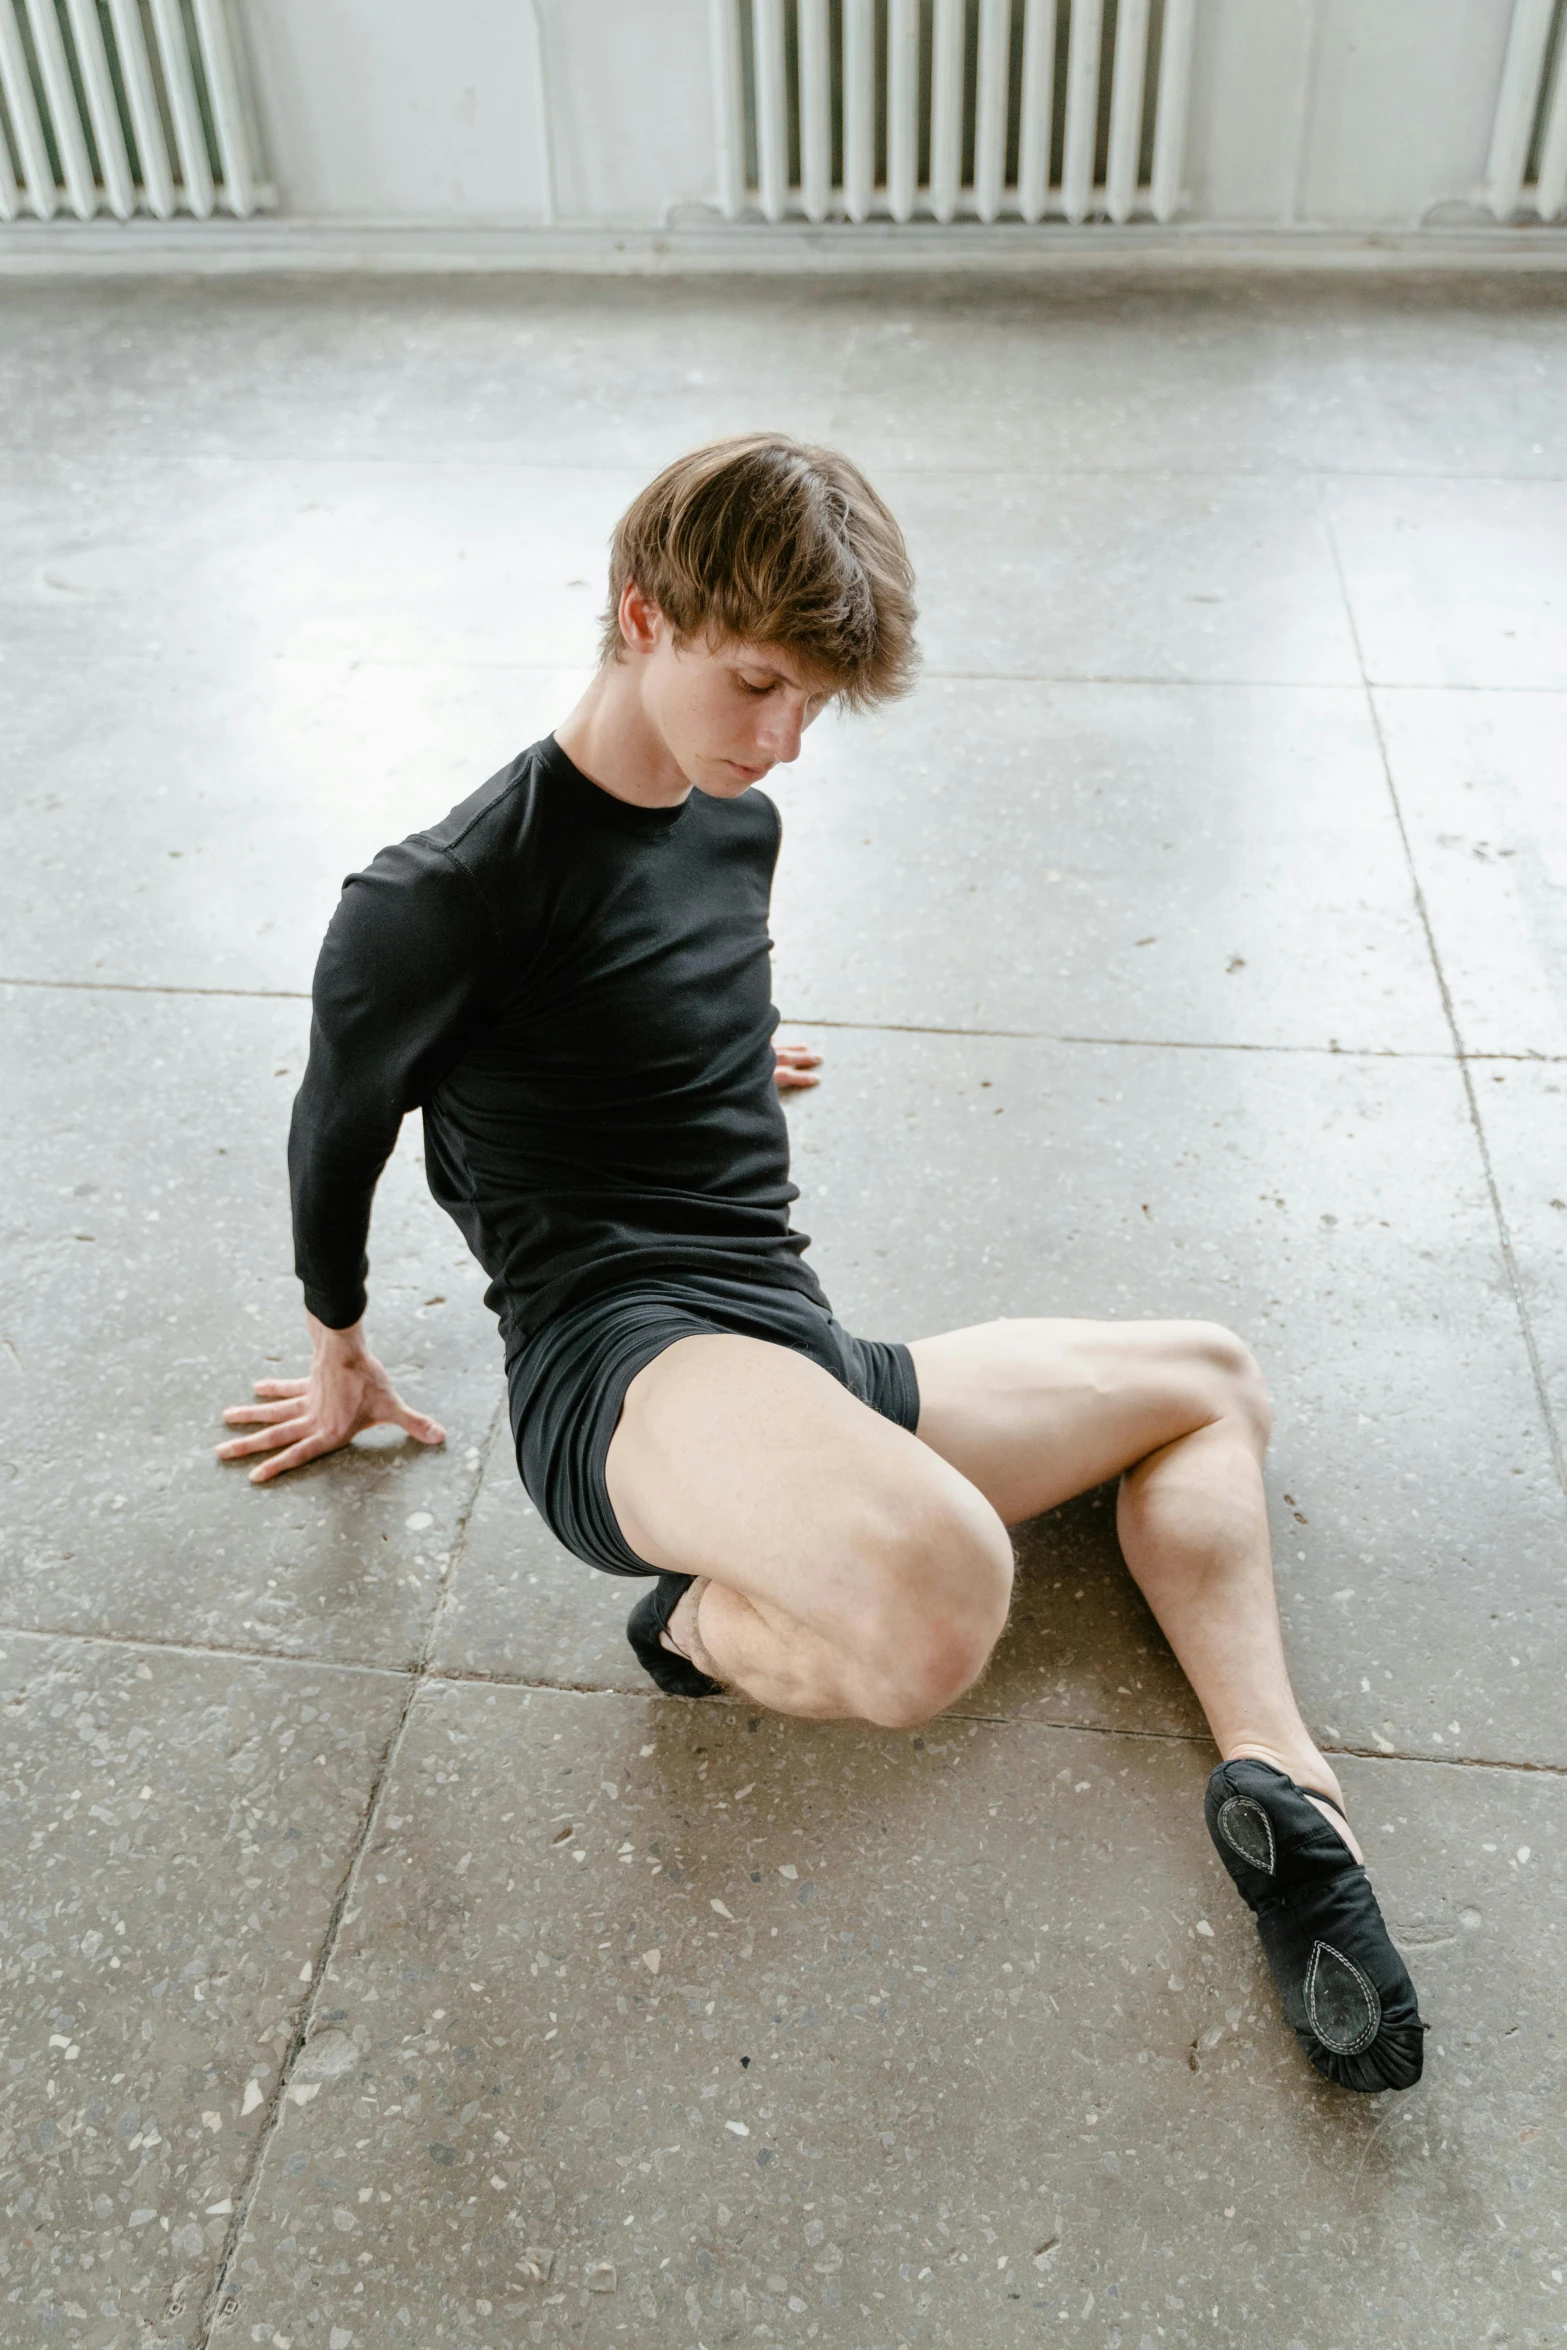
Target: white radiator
[[1527, 169], [976, 110], [123, 106]]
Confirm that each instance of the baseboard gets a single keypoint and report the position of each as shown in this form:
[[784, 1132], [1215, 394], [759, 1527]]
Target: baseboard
[[235, 248]]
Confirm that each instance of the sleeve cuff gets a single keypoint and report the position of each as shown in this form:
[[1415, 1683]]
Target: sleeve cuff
[[338, 1309]]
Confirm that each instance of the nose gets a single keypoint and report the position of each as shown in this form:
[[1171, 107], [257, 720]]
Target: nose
[[780, 733]]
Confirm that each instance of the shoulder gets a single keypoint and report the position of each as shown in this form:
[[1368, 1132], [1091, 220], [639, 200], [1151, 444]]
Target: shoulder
[[767, 810], [493, 825], [468, 864], [750, 824]]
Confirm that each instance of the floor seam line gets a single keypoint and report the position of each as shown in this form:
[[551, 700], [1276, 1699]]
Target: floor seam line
[[1152, 1044], [459, 1542], [1553, 1436], [1185, 682], [458, 1677], [247, 1656], [1174, 680], [1181, 681], [851, 344], [279, 995], [218, 2294], [1294, 475], [1448, 1762]]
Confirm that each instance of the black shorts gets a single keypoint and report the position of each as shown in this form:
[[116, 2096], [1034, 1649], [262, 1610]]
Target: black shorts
[[567, 1383]]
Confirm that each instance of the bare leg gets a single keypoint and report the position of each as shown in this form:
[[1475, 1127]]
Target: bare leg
[[847, 1570], [1034, 1411], [1194, 1531]]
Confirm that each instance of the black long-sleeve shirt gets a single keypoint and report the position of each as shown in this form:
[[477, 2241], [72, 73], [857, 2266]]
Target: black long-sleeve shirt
[[577, 993]]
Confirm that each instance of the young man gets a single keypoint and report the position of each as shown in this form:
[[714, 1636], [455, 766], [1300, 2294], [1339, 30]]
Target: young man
[[569, 975]]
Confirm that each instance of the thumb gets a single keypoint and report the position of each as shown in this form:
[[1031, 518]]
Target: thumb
[[418, 1425]]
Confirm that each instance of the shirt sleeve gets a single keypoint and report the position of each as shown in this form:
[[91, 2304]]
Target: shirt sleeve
[[404, 964]]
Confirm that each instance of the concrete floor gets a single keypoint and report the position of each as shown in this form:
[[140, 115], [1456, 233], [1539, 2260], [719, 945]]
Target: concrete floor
[[384, 1965]]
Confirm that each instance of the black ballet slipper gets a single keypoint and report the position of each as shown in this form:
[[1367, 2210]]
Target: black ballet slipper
[[674, 1673], [1342, 1985]]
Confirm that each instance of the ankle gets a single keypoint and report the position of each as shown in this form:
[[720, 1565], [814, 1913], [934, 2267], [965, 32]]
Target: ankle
[[683, 1632], [1308, 1767], [1301, 1761]]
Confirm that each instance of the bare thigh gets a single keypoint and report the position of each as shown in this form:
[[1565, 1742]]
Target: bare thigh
[[1033, 1411], [745, 1462]]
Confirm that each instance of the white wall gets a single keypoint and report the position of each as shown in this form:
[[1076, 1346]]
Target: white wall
[[631, 91], [1340, 113], [1403, 106], [430, 109], [399, 109], [1336, 113]]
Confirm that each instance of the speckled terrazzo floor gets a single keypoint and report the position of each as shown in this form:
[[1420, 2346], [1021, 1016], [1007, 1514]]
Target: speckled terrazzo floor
[[384, 1965]]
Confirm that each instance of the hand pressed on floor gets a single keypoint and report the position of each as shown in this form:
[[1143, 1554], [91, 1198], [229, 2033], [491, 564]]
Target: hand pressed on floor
[[794, 1063], [300, 1419]]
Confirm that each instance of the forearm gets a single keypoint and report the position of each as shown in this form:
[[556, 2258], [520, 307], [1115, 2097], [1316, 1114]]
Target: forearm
[[396, 977], [336, 1151]]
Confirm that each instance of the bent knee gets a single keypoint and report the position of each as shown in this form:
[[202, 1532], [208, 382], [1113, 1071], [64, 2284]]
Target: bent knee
[[1231, 1376], [932, 1674], [935, 1618]]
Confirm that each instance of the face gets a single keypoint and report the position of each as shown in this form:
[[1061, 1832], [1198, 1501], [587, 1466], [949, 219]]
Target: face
[[725, 714]]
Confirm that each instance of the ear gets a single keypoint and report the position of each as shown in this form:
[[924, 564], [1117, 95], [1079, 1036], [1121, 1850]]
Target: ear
[[641, 621]]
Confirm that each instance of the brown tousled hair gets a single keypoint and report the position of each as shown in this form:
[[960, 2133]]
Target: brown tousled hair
[[763, 540]]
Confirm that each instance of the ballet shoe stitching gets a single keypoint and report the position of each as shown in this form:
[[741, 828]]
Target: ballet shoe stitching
[[1252, 1805], [1358, 2046], [1368, 1992]]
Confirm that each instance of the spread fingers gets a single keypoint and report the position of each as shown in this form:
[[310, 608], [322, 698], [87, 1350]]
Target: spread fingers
[[264, 1440]]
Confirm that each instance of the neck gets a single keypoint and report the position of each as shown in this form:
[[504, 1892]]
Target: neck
[[610, 739]]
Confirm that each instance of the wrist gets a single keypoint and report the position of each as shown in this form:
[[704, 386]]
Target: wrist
[[337, 1346]]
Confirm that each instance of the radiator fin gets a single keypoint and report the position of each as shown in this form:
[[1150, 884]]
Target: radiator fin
[[124, 106], [976, 110], [1526, 171]]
